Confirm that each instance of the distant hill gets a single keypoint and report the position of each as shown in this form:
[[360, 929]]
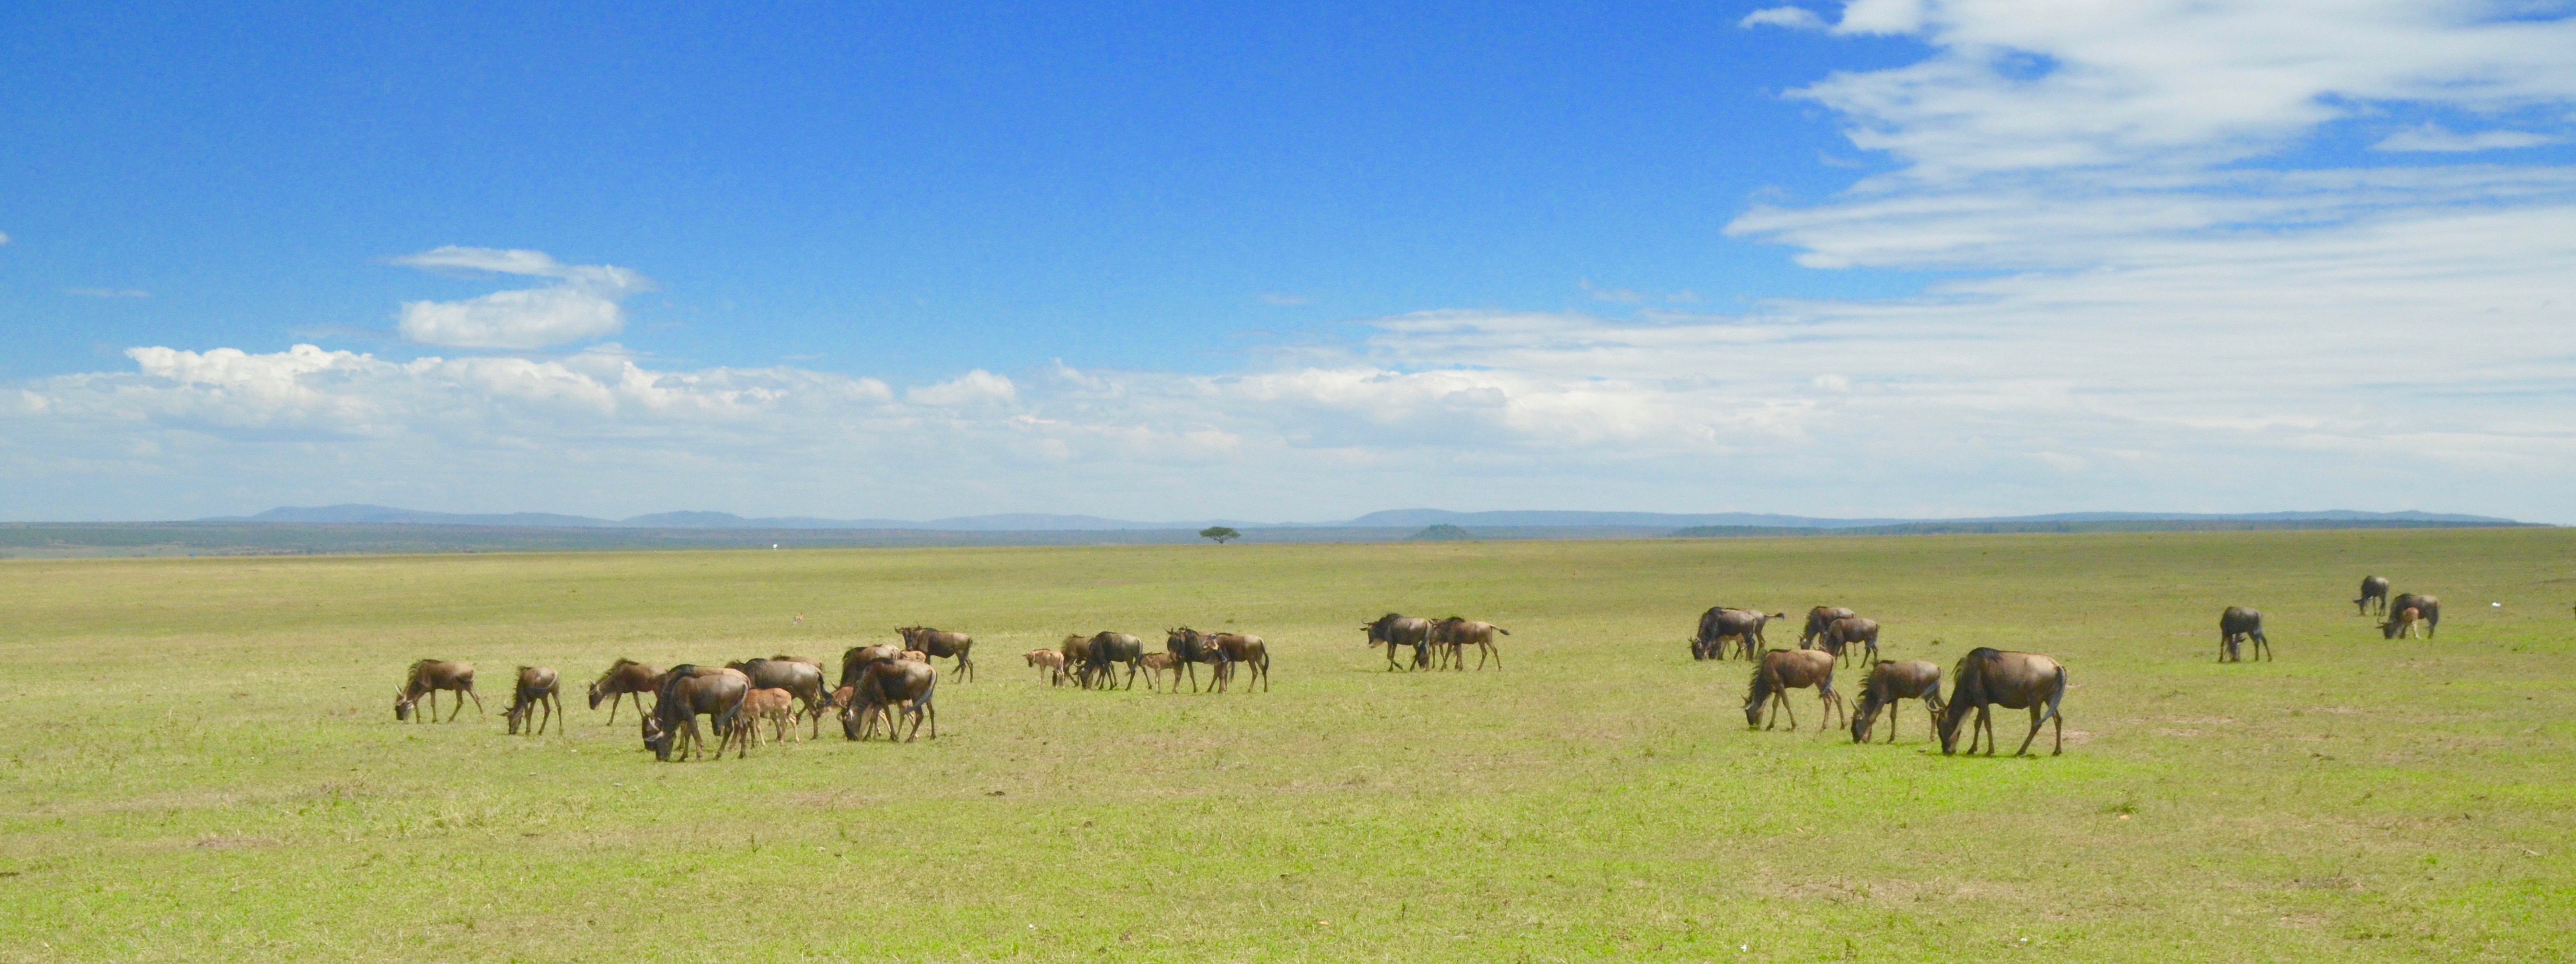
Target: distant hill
[[1443, 532]]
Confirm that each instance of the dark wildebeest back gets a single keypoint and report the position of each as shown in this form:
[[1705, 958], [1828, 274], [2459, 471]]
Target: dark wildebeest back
[[2237, 625], [2427, 608], [1108, 648], [2011, 680], [800, 678], [2374, 589], [1907, 679], [1191, 648], [944, 644], [1820, 619], [885, 685], [1839, 637], [1392, 630]]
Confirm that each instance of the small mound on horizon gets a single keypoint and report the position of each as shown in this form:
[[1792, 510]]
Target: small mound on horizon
[[1440, 533]]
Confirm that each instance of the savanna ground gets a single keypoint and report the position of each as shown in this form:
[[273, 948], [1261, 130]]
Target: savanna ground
[[201, 762]]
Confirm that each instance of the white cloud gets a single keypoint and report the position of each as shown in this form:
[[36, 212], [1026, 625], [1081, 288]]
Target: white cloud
[[1794, 18], [2433, 137], [581, 304], [975, 388]]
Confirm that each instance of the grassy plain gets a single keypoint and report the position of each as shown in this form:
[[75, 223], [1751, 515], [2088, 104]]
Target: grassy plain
[[201, 763]]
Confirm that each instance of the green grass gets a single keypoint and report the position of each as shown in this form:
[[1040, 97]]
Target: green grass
[[201, 762]]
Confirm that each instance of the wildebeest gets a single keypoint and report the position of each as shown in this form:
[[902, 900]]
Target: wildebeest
[[2408, 621], [1190, 648], [624, 678], [1839, 638], [1392, 630], [1782, 670], [855, 660], [538, 690], [1155, 665], [429, 676], [1907, 679], [801, 678], [1820, 619], [1243, 649], [885, 686], [2428, 612], [2010, 680], [1722, 623], [1049, 664], [685, 693], [2374, 589], [1076, 649], [2237, 625], [1453, 635], [1108, 648], [943, 644], [762, 703]]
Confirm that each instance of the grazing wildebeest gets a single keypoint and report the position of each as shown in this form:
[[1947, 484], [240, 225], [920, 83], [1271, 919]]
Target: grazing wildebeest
[[1077, 650], [1155, 665], [429, 676], [1844, 632], [2374, 589], [538, 689], [1191, 647], [2428, 613], [1453, 635], [1721, 623], [2237, 625], [1243, 649], [1907, 679], [1049, 664], [855, 660], [884, 686], [687, 692], [940, 643], [2010, 680], [1820, 619], [802, 678], [1783, 670], [2408, 620], [1108, 648], [1392, 631], [624, 678]]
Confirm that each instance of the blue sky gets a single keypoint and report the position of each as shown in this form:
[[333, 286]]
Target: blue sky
[[1290, 262]]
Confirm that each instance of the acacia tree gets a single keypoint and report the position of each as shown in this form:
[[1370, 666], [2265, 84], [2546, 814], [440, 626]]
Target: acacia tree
[[1219, 533]]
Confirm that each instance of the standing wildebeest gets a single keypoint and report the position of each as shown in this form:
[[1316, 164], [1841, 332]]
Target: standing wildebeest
[[1910, 679], [2374, 589], [2010, 680], [2237, 625], [939, 643], [1783, 670], [686, 693], [1453, 635], [624, 678], [881, 688], [1109, 647], [1191, 647], [538, 689], [1242, 649], [1820, 619], [1155, 665], [762, 703], [801, 678], [429, 676], [1077, 650], [1721, 623], [2428, 611], [2408, 620], [1844, 632], [1392, 631]]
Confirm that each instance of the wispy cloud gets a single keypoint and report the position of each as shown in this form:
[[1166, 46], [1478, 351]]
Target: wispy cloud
[[581, 304], [2435, 138], [1794, 18], [1284, 300], [108, 292]]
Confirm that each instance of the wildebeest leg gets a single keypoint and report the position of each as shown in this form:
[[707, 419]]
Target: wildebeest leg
[[2038, 715]]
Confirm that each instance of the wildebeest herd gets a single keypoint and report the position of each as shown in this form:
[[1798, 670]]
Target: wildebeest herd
[[891, 684]]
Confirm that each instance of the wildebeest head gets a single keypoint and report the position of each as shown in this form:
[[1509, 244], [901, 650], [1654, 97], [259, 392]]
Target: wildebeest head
[[1754, 697], [656, 738], [1864, 717], [402, 705]]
